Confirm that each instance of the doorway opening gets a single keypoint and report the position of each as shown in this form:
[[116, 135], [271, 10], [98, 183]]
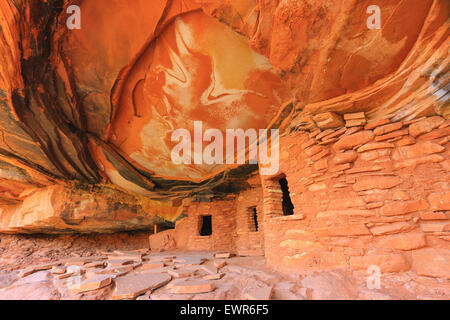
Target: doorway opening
[[206, 226], [288, 206]]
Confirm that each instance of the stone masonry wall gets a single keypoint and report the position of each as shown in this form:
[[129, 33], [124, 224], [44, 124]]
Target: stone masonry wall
[[364, 194], [249, 241], [233, 226], [223, 237]]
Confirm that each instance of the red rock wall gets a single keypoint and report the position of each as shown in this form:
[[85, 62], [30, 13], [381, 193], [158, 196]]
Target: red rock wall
[[374, 196]]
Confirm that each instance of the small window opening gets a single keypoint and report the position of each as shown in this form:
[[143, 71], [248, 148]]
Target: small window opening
[[288, 207], [253, 219], [206, 227]]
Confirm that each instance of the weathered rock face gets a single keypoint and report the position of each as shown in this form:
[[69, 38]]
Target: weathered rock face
[[62, 209], [94, 109]]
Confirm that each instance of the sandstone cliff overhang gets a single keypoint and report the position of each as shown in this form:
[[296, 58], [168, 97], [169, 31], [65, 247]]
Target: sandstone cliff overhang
[[95, 106]]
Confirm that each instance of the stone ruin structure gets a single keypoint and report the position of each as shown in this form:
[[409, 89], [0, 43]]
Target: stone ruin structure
[[374, 194], [363, 114]]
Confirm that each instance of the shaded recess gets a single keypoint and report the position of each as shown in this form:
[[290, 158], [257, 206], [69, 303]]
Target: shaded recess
[[206, 226], [288, 206], [254, 219]]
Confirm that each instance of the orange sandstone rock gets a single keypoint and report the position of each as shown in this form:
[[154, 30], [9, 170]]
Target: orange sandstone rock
[[439, 201], [359, 138], [386, 262], [93, 283], [328, 120], [406, 242], [194, 286], [376, 182], [401, 207], [131, 286], [425, 126], [375, 146], [393, 228], [417, 150], [388, 128], [432, 262], [345, 157]]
